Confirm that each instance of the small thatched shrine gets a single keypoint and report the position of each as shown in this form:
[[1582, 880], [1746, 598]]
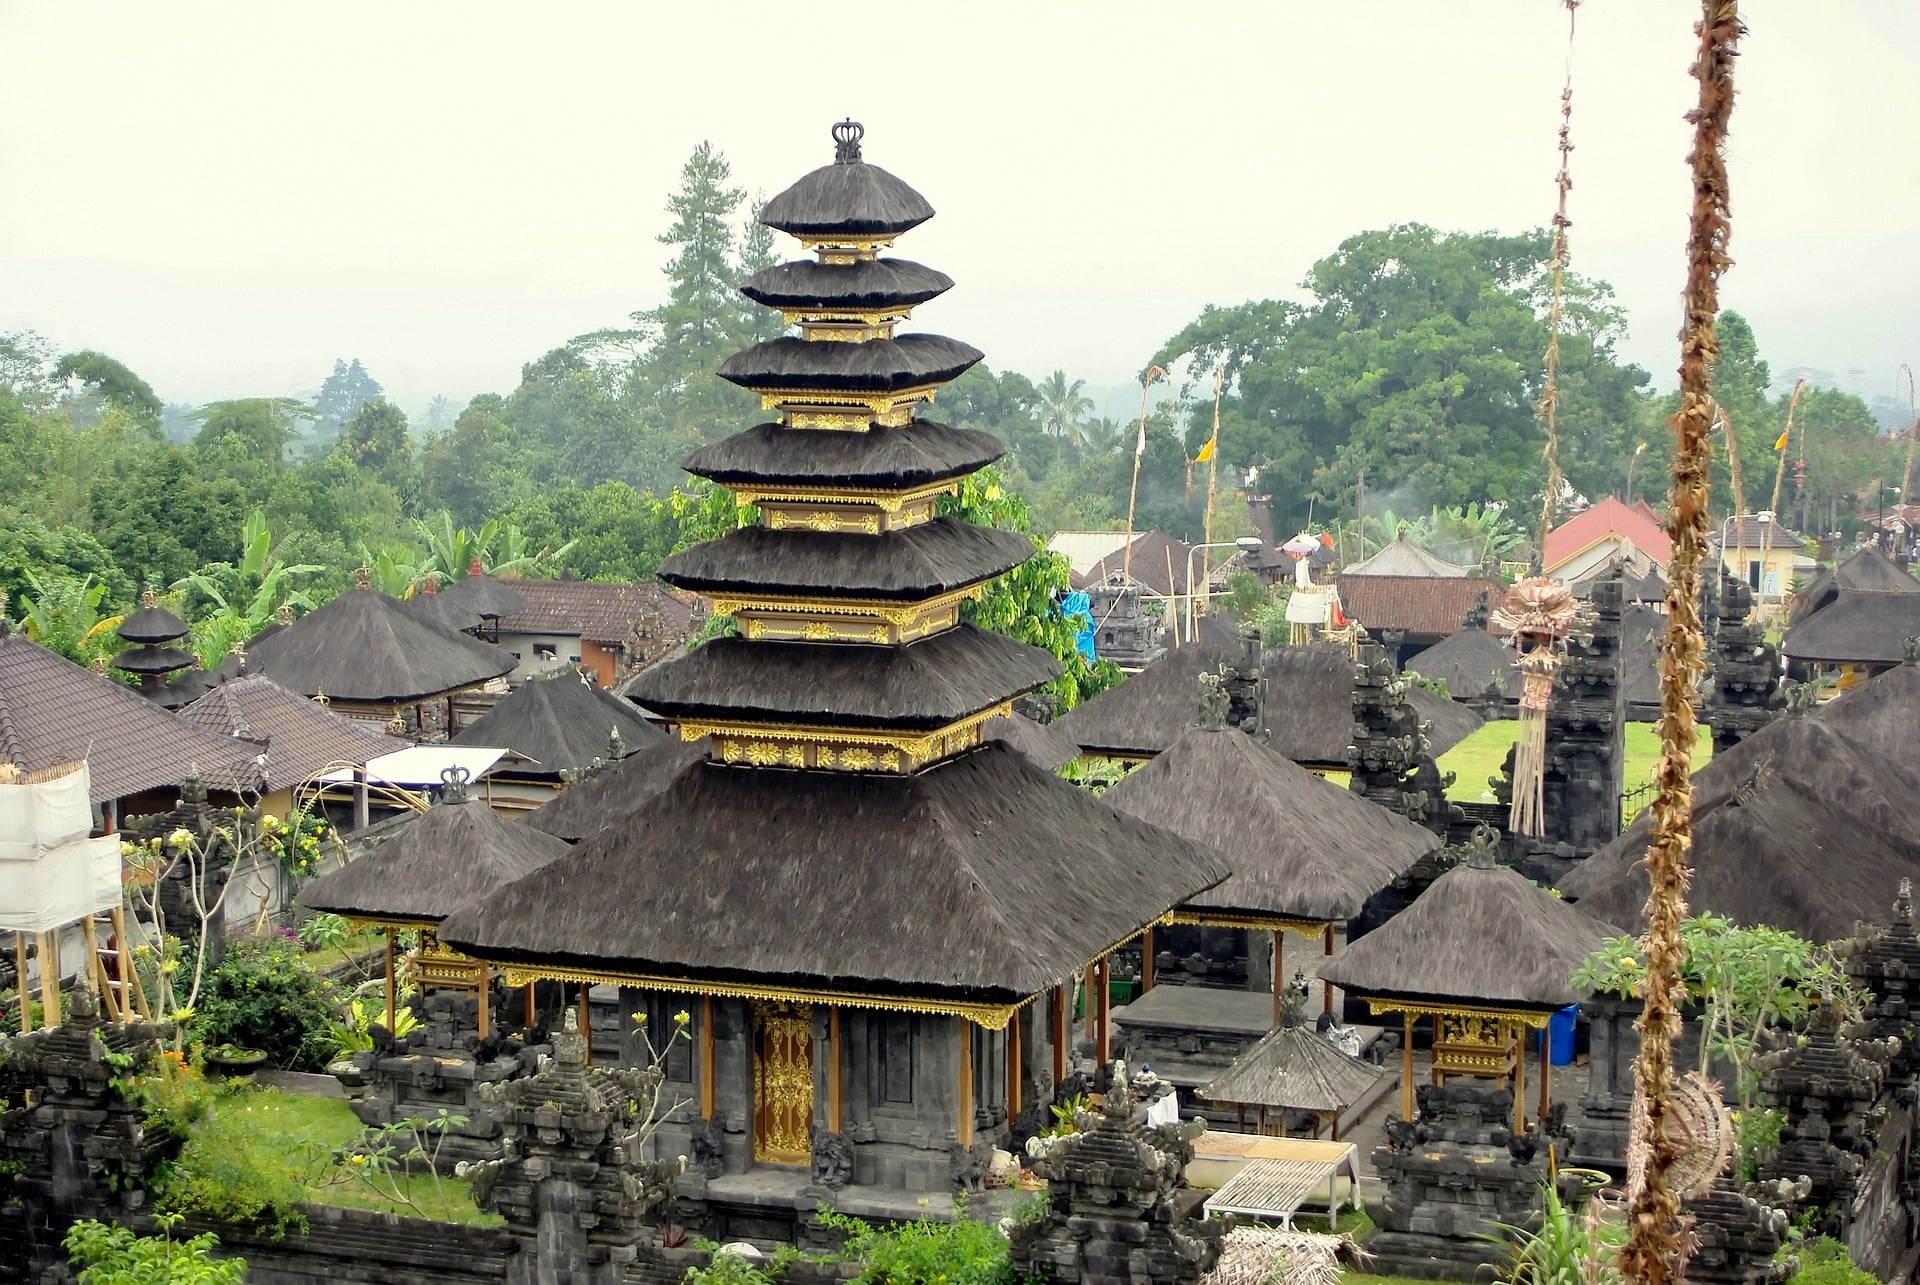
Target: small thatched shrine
[[1293, 1069], [1860, 633], [556, 727], [151, 656], [866, 916]]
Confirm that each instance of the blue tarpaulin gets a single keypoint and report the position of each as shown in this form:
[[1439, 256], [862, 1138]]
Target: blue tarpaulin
[[1076, 604]]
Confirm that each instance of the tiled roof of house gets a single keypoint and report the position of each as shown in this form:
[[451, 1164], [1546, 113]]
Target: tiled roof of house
[[1581, 532], [53, 711], [1158, 565], [1404, 558], [301, 737], [1426, 606], [598, 611], [1749, 532]]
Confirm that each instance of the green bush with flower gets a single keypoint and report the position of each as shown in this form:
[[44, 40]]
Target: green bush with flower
[[296, 843], [265, 996]]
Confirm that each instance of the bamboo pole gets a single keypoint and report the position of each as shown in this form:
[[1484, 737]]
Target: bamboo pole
[[97, 972], [1139, 449], [1172, 601], [1549, 405], [49, 980], [20, 981], [1913, 436], [1654, 1252]]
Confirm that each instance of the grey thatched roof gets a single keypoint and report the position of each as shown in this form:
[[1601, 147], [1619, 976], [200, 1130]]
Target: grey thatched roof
[[152, 625], [909, 565], [1451, 721], [866, 284], [850, 198], [915, 454], [301, 738], [1296, 1068], [615, 791], [876, 366], [921, 685], [54, 712], [1797, 826], [1859, 626], [1300, 847], [1868, 568], [1404, 558], [1479, 935], [365, 646], [1882, 715], [1041, 742], [1309, 703], [448, 856], [983, 878], [1467, 662], [152, 660], [558, 724]]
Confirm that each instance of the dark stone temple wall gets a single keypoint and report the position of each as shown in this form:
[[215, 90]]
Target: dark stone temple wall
[[1586, 749]]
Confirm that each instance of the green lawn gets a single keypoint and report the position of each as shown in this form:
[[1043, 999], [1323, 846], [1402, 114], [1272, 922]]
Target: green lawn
[[1482, 754], [296, 1135]]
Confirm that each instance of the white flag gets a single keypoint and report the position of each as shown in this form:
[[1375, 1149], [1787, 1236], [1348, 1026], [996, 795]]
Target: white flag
[[1140, 447]]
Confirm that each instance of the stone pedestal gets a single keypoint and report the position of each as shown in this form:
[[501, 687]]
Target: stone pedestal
[[1123, 632]]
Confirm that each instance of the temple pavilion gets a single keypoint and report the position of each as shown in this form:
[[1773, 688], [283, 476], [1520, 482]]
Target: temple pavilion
[[867, 915]]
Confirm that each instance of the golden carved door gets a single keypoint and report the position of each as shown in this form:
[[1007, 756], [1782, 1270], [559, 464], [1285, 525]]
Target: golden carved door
[[783, 1083]]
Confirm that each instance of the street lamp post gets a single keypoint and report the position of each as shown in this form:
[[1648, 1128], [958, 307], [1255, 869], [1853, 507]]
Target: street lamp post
[[1246, 543]]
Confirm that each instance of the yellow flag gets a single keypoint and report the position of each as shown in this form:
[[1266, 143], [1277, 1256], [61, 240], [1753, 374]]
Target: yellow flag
[[1206, 452], [1781, 443]]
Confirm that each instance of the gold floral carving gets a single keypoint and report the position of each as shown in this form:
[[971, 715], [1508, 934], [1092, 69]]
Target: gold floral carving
[[783, 1083]]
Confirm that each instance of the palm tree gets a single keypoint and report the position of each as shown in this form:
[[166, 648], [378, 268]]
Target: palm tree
[[1063, 406], [1101, 437]]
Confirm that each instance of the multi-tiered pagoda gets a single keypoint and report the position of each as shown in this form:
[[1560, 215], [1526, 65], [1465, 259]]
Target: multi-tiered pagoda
[[866, 913]]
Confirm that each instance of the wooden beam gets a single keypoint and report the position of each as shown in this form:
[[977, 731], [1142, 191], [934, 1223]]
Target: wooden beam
[[49, 980], [1086, 1000], [1520, 1088], [585, 1021], [1146, 960], [97, 974], [1406, 1068], [532, 1015], [485, 994], [1546, 1071], [1326, 987], [123, 960], [1013, 1065], [706, 1057], [834, 1105], [964, 1109], [1279, 970], [391, 984], [1061, 1033], [1102, 1037]]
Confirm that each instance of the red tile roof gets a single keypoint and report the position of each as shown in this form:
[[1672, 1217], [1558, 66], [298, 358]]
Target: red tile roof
[[1429, 606], [596, 610], [1610, 517]]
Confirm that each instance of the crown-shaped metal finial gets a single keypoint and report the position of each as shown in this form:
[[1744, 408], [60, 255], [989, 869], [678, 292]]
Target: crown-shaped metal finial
[[148, 598], [846, 141], [453, 784]]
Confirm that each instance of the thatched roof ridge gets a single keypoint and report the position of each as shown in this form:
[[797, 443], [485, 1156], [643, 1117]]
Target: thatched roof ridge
[[906, 566], [1452, 721], [1467, 662], [1297, 1068], [1479, 935], [866, 284], [983, 878], [916, 454], [1300, 846], [365, 646], [876, 366], [558, 723], [1402, 557], [1041, 742], [1860, 626], [609, 795], [848, 198], [921, 685], [484, 594], [446, 857], [1797, 826]]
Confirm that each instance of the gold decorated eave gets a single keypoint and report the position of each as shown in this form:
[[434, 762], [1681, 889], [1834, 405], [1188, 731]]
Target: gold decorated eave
[[844, 411], [780, 618], [1315, 929], [841, 247], [1438, 1008], [895, 507], [887, 750]]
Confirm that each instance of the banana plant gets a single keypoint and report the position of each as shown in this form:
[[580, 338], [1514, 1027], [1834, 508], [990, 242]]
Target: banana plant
[[63, 615], [249, 593]]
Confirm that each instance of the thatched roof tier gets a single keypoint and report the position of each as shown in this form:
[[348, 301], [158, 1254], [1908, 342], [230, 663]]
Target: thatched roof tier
[[983, 879], [876, 366], [1867, 569], [152, 660], [1040, 742], [915, 687], [488, 595], [54, 712], [1296, 1068], [908, 565], [920, 453], [1797, 826], [450, 855], [606, 797], [1419, 606], [559, 724], [1468, 662], [364, 646], [870, 285], [1481, 936], [1451, 721], [301, 739], [1859, 626], [152, 624], [1301, 848], [1309, 704], [848, 198], [1880, 714]]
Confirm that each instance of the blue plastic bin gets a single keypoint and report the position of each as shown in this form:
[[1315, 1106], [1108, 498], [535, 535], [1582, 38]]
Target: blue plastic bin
[[1559, 1035]]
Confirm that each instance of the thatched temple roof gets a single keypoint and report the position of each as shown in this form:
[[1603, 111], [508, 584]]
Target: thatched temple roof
[[1451, 721], [449, 855], [1041, 742], [848, 198], [1300, 847], [1859, 626], [983, 878], [875, 366], [1296, 1068], [364, 646], [907, 565], [152, 624], [1868, 569], [301, 739], [869, 284], [1481, 936], [610, 795], [559, 724], [1467, 662], [915, 454], [1798, 826]]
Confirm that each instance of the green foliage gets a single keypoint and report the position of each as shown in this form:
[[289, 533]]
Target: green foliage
[[113, 383], [1825, 1261], [229, 1174], [341, 394], [960, 1252], [62, 614], [376, 437], [353, 1032], [1756, 1132], [1746, 980], [105, 1254], [265, 996], [1564, 1250], [326, 932], [380, 1161]]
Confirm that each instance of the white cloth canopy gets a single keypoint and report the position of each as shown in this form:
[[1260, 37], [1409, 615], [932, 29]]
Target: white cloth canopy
[[52, 872]]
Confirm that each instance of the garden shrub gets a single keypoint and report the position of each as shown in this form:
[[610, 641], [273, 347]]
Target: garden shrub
[[265, 996], [1825, 1261], [104, 1254]]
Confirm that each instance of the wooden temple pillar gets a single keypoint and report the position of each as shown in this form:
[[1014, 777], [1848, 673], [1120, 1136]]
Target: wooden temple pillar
[[584, 1023], [1326, 953], [836, 1103], [706, 1057], [1014, 1068], [963, 1099], [1087, 1018], [1146, 960], [20, 978], [1062, 1032], [1103, 998], [1406, 1067], [392, 982], [1279, 970]]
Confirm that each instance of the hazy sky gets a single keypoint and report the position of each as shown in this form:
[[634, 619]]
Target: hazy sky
[[228, 196]]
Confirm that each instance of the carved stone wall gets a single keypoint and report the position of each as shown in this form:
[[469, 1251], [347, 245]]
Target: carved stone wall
[[1123, 631], [1744, 695], [1586, 750]]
